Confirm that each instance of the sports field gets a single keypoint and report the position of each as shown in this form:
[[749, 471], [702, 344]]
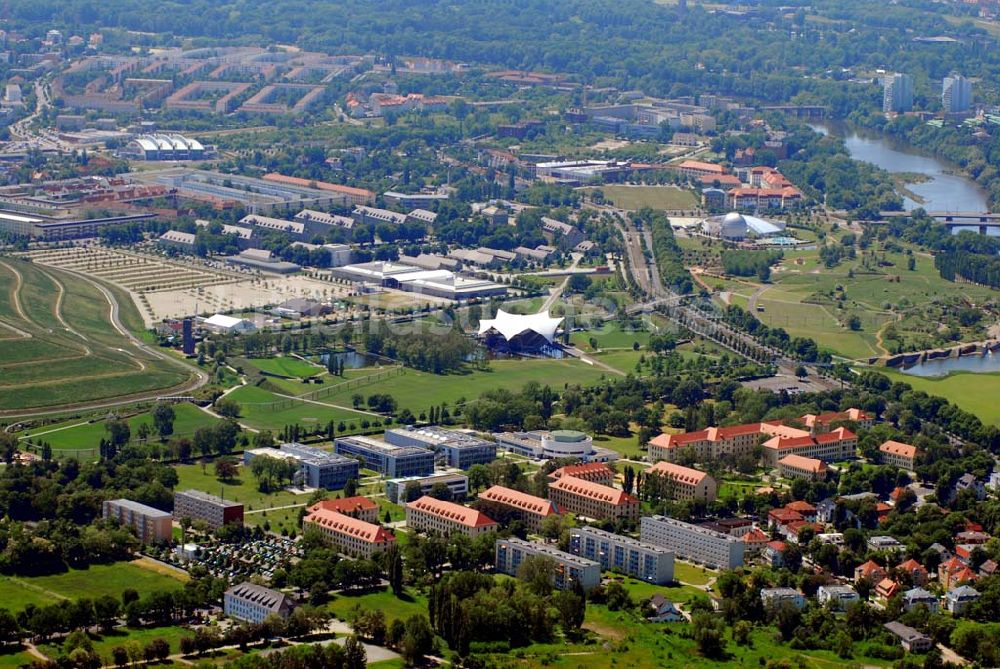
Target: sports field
[[286, 366], [59, 346], [82, 434], [16, 592], [655, 197]]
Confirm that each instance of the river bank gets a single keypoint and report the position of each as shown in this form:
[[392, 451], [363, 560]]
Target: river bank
[[927, 181]]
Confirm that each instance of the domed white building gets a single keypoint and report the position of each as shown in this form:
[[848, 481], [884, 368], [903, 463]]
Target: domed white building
[[736, 226], [567, 444]]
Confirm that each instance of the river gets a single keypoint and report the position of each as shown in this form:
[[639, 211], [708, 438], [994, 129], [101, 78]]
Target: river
[[945, 189]]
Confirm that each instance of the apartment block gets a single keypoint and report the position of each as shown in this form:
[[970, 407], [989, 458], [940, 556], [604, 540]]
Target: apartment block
[[686, 483], [428, 514], [350, 536], [149, 524], [527, 508], [385, 458], [646, 562], [778, 440], [691, 542], [510, 553], [833, 446], [592, 500], [215, 511], [596, 472]]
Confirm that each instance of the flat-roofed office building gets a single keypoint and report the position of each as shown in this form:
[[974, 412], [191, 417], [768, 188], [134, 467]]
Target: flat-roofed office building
[[387, 459], [454, 448]]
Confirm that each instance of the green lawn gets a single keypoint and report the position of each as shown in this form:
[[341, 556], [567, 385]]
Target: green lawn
[[418, 390], [411, 602], [103, 644], [625, 446], [73, 354], [15, 656], [264, 410], [243, 489], [80, 434], [17, 592], [655, 197], [610, 335], [801, 299], [692, 574], [638, 644], [286, 366], [976, 393]]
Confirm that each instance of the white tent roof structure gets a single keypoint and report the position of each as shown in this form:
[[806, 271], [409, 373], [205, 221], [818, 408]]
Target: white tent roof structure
[[511, 325]]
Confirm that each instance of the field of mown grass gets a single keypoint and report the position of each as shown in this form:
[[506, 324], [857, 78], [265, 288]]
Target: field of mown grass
[[82, 434], [71, 352], [16, 592]]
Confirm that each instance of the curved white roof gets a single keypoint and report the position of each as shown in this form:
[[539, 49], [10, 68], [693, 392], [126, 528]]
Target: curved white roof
[[735, 225], [511, 325]]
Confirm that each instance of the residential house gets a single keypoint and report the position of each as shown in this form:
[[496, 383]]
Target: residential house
[[659, 609], [777, 597], [909, 638], [885, 590], [958, 599], [870, 571], [774, 553], [916, 597], [915, 570], [839, 597], [756, 541]]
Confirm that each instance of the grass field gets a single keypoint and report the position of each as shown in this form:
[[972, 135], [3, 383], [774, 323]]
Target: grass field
[[411, 602], [16, 592], [655, 197], [80, 434], [262, 409], [243, 489], [103, 644], [414, 390], [286, 366], [976, 393], [14, 656], [59, 346], [804, 300]]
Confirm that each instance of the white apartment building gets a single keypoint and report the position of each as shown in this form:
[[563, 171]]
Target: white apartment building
[[691, 542]]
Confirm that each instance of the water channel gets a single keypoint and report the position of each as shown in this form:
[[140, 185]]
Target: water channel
[[986, 362]]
